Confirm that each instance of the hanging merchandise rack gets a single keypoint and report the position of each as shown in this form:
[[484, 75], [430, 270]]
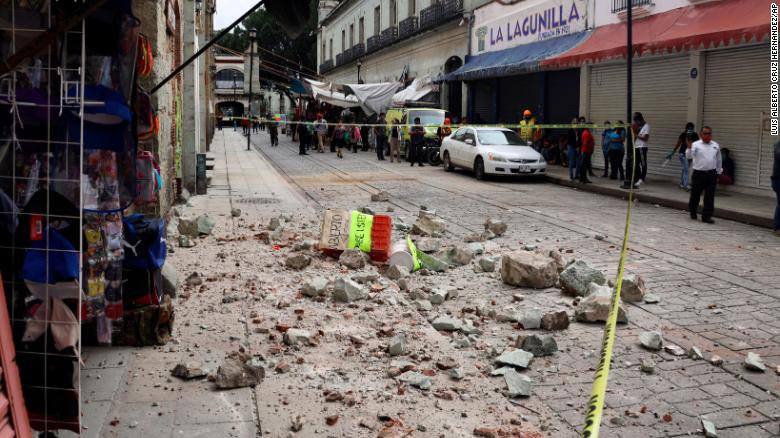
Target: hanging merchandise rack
[[67, 174]]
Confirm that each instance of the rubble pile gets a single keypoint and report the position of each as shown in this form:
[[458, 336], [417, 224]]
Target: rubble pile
[[479, 319]]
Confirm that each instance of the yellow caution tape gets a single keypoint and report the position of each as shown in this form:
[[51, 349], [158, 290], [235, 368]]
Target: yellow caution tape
[[481, 125], [599, 389], [360, 231], [415, 254]]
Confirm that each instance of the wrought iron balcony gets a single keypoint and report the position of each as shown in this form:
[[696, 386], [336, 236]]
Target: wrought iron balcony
[[358, 50], [389, 36], [622, 5], [373, 43], [451, 8], [407, 27], [430, 16], [326, 66]]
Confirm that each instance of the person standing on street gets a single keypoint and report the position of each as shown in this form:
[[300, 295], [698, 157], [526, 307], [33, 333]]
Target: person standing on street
[[776, 187], [681, 147], [303, 136], [586, 154], [605, 147], [273, 131], [573, 150], [527, 131], [707, 165], [380, 134], [321, 127], [444, 130], [339, 138], [616, 139], [417, 134], [395, 141], [642, 139]]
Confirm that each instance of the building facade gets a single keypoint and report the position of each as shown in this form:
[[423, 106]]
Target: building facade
[[387, 40]]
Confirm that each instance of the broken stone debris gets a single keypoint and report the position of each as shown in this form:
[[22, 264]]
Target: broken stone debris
[[595, 308], [695, 354], [185, 242], [558, 320], [205, 224], [188, 370], [544, 345], [674, 350], [651, 340], [496, 227], [353, 259], [382, 196], [423, 305], [516, 358], [716, 360], [652, 299], [416, 379], [438, 296], [188, 227], [429, 225], [428, 244], [487, 264], [294, 337], [234, 373], [577, 277], [170, 279], [530, 319], [397, 346], [518, 385], [396, 272], [709, 428], [632, 289], [647, 366], [194, 279], [315, 287], [754, 362], [235, 212], [347, 291], [274, 224], [528, 269], [365, 278], [447, 324], [457, 255], [298, 261]]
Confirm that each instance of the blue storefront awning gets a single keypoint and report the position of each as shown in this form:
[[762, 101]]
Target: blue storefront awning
[[517, 60]]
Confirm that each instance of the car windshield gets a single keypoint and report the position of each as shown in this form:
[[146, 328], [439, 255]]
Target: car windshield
[[500, 137], [427, 117]]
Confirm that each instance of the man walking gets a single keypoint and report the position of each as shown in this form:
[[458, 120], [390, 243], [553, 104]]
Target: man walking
[[321, 128], [380, 135], [303, 136], [642, 138], [395, 141], [707, 165], [776, 187], [417, 134]]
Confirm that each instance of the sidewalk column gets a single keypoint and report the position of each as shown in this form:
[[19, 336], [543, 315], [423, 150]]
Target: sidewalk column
[[696, 87], [190, 135], [584, 91]]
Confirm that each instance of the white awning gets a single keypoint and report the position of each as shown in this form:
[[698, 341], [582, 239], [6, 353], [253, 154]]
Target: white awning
[[322, 91], [419, 88]]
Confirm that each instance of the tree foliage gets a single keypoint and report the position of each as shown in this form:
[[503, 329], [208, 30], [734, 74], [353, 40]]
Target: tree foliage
[[270, 36]]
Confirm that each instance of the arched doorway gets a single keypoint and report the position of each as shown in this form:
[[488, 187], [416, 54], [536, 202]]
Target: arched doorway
[[228, 109], [454, 88]]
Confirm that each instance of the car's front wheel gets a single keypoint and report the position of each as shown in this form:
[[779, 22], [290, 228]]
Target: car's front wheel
[[447, 162], [479, 169]]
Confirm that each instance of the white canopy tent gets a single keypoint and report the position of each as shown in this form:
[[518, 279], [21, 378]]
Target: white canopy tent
[[419, 88], [322, 91]]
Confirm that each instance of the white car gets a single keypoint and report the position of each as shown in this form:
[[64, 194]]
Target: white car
[[491, 151]]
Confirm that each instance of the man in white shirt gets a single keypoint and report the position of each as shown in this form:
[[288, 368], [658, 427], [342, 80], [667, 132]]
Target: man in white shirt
[[707, 165], [642, 139]]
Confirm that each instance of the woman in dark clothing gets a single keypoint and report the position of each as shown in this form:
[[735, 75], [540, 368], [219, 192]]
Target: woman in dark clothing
[[337, 139]]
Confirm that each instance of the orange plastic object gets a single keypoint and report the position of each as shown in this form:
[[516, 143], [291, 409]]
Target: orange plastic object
[[381, 235]]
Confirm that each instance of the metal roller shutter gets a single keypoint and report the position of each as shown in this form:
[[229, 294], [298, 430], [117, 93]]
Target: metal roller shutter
[[660, 93], [517, 93], [736, 92], [483, 100], [563, 96]]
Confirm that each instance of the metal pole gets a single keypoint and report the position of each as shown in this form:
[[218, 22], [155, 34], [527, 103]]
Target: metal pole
[[206, 47], [251, 64], [629, 57]]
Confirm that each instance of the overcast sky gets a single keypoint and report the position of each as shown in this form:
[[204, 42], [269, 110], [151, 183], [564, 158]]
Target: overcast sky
[[229, 10]]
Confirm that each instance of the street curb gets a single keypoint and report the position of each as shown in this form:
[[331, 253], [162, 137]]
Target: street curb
[[733, 215]]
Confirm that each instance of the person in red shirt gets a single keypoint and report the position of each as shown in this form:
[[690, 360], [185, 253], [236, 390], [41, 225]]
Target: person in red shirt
[[586, 153]]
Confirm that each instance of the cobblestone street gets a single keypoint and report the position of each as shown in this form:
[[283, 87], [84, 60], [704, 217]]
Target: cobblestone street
[[716, 287]]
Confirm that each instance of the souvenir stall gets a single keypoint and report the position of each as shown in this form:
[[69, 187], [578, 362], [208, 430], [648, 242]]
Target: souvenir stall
[[71, 115]]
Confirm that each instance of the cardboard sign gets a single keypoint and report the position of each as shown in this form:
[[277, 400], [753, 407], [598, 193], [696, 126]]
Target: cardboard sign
[[335, 230]]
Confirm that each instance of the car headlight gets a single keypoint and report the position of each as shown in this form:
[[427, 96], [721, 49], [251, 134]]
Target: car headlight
[[495, 157]]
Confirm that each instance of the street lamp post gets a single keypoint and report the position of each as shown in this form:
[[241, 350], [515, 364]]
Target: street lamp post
[[359, 64], [233, 116], [252, 36]]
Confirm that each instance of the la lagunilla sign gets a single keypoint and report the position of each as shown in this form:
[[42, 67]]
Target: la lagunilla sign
[[499, 27]]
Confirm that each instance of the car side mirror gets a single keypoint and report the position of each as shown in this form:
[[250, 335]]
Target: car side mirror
[[470, 141]]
